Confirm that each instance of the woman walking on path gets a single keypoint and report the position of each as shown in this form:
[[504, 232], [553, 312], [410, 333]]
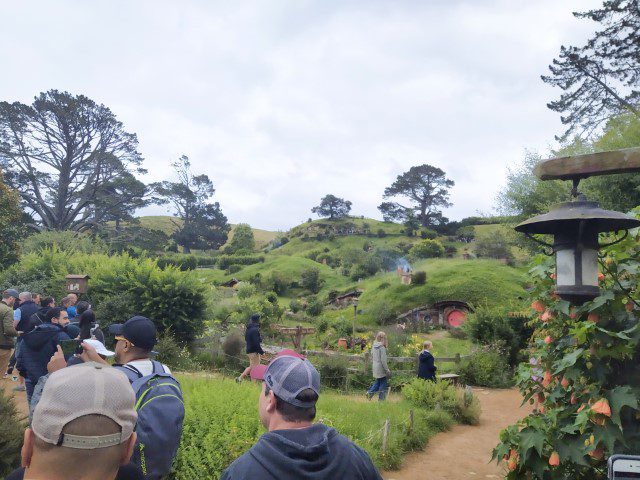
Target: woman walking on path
[[381, 371], [427, 368], [254, 350]]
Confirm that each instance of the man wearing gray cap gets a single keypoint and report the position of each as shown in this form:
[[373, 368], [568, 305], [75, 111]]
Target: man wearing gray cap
[[83, 426], [294, 447]]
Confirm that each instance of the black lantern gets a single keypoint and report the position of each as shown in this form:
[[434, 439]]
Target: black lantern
[[575, 227]]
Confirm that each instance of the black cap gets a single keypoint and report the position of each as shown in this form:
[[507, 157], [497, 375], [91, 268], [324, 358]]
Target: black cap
[[138, 330]]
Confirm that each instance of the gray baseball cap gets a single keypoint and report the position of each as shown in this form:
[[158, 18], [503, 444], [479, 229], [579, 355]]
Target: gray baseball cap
[[287, 376], [87, 389], [11, 292]]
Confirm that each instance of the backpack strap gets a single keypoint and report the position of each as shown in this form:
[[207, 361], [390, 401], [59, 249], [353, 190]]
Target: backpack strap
[[157, 367], [133, 369]]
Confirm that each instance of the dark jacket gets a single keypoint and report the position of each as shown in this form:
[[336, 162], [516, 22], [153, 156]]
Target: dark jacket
[[426, 367], [27, 309], [7, 331], [314, 453], [38, 318], [38, 347], [252, 337]]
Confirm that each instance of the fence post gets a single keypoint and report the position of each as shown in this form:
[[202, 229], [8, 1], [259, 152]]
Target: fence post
[[411, 421], [458, 359], [367, 355], [385, 436]]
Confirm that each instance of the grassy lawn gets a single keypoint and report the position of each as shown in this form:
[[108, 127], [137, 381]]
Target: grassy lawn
[[222, 423]]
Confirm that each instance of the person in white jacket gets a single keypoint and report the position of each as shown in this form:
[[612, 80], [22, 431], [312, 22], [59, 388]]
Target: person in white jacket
[[381, 372]]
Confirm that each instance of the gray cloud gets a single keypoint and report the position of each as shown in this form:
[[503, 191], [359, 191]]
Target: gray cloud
[[282, 102]]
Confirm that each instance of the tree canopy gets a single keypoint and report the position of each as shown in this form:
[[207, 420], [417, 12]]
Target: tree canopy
[[10, 216], [203, 224], [243, 238], [426, 188], [332, 207], [64, 154], [599, 79]]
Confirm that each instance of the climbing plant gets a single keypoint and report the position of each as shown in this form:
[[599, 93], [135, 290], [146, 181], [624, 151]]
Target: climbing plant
[[583, 377]]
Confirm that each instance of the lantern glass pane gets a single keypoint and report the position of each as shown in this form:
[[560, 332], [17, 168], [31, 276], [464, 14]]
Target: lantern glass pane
[[565, 267], [590, 267]]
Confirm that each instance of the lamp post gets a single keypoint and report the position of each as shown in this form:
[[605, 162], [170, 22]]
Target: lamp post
[[355, 315], [576, 224]]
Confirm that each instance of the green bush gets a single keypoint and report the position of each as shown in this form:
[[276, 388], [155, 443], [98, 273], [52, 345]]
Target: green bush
[[295, 306], [493, 325], [381, 233], [174, 355], [224, 261], [322, 325], [66, 241], [333, 373], [427, 233], [181, 261], [310, 280], [343, 327], [442, 395], [427, 249], [277, 282], [11, 434], [245, 290], [486, 367], [419, 278], [314, 306], [233, 347]]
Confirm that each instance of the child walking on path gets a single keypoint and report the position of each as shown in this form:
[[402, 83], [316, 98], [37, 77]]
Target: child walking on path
[[381, 372]]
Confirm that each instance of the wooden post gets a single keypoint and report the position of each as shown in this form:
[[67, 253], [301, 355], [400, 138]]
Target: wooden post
[[385, 436], [458, 358], [411, 421], [367, 357]]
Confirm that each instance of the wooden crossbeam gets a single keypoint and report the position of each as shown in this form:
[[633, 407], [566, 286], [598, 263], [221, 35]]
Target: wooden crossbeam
[[583, 166]]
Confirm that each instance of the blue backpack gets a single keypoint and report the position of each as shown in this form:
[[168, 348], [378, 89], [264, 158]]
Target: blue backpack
[[160, 408]]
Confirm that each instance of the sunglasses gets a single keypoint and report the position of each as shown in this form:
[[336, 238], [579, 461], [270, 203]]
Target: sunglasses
[[120, 337]]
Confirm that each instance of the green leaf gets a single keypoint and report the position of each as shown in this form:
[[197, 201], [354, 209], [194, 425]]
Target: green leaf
[[532, 438], [568, 360], [570, 447], [621, 397], [609, 435], [601, 300]]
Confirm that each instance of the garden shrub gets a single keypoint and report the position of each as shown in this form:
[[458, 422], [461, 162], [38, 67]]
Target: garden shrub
[[295, 306], [172, 354], [181, 261], [225, 261], [115, 309], [272, 297], [381, 233], [322, 325], [427, 249], [333, 373], [233, 347], [458, 333], [65, 241], [277, 282], [233, 268], [245, 290], [11, 435], [442, 395], [427, 233], [343, 327], [314, 306], [419, 278], [310, 280], [493, 325], [486, 367]]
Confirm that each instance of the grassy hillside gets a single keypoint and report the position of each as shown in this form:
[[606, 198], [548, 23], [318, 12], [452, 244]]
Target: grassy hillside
[[168, 224]]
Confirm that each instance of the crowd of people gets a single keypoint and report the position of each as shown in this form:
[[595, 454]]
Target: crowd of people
[[100, 414]]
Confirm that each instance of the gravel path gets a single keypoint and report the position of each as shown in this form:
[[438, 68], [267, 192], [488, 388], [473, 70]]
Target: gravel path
[[464, 451]]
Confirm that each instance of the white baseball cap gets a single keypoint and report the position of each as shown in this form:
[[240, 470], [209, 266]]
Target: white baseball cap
[[99, 346]]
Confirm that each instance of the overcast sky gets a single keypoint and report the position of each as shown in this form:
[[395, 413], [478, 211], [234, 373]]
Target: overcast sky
[[282, 102]]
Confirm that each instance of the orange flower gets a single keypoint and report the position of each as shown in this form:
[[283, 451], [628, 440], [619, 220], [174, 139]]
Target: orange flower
[[548, 339], [546, 316], [538, 306], [572, 314], [597, 454], [564, 383], [553, 276], [546, 381], [600, 276], [554, 459], [602, 407], [593, 317], [629, 306], [582, 407], [573, 400]]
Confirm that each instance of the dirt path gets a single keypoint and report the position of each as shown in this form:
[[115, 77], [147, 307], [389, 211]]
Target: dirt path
[[465, 451]]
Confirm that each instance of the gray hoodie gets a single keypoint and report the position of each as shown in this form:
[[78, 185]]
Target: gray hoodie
[[379, 360]]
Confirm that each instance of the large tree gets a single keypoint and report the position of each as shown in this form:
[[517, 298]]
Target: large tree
[[203, 225], [332, 207], [600, 79], [118, 199], [426, 188], [243, 238], [10, 218], [60, 153]]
